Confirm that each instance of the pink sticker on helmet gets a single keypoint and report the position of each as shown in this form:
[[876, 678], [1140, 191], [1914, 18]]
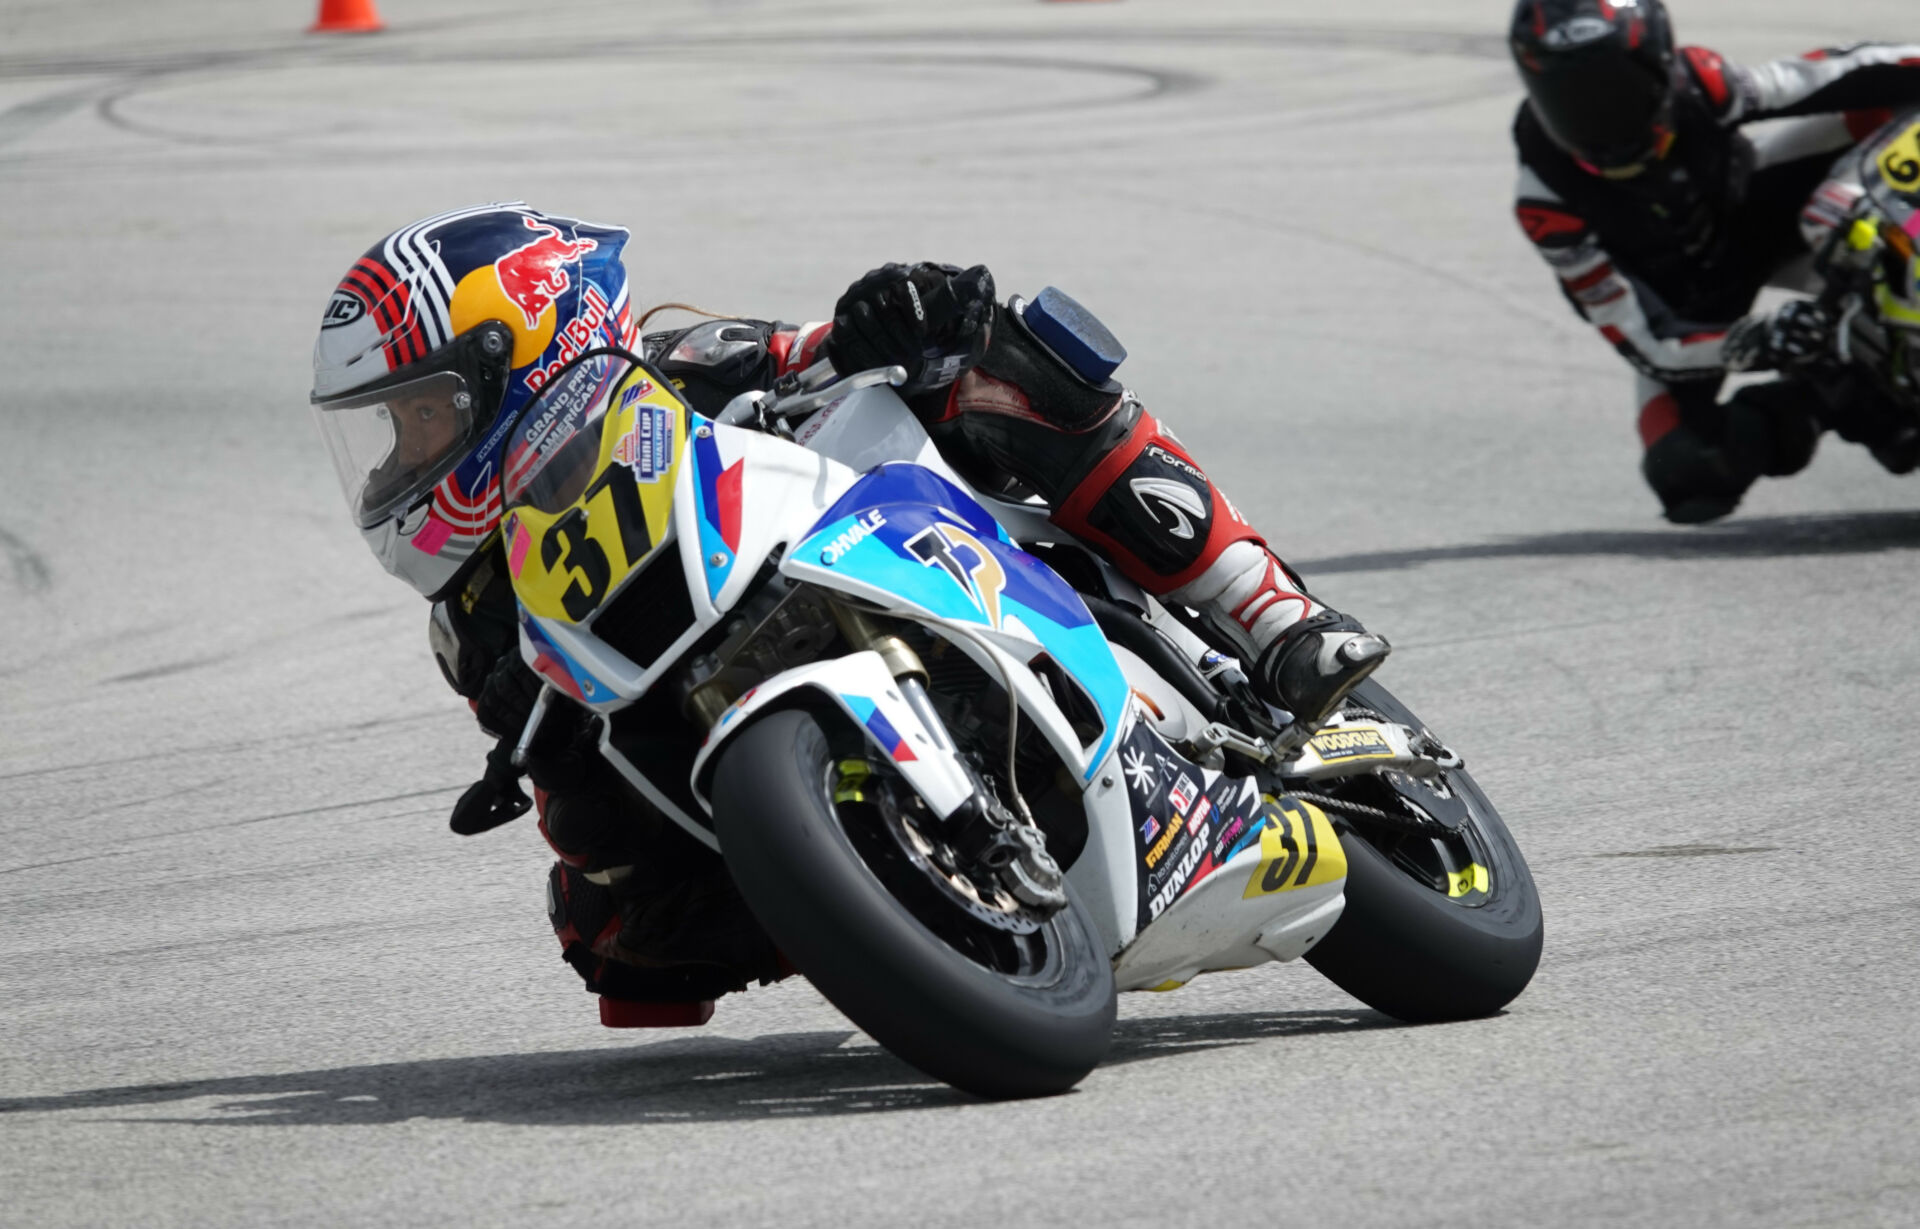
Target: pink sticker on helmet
[[432, 536], [517, 553], [1912, 224]]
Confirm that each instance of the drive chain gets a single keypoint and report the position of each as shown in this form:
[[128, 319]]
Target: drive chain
[[1414, 823]]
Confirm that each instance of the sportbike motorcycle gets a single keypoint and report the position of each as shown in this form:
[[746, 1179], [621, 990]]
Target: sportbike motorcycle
[[970, 779], [1863, 225]]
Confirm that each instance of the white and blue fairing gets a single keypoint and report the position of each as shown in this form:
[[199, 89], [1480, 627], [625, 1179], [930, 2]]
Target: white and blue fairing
[[905, 537]]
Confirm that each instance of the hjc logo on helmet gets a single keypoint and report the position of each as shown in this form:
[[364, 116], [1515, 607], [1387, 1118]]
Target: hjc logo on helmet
[[343, 309]]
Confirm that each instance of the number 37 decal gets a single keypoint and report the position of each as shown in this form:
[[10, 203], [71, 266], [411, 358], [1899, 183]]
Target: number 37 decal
[[1298, 849], [574, 549]]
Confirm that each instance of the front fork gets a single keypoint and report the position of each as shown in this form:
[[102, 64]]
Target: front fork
[[982, 829]]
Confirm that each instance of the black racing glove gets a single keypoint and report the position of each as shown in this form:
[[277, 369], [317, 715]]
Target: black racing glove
[[1797, 334], [506, 698], [931, 319]]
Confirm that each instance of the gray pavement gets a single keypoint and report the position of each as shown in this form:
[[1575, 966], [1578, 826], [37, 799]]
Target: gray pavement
[[248, 978]]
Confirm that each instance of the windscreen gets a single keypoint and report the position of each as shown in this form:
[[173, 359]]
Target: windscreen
[[551, 453]]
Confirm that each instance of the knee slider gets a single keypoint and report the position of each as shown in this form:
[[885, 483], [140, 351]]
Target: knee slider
[[1694, 480]]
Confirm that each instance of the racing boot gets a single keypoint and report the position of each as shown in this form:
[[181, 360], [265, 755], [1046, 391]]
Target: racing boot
[[1312, 665], [1305, 657]]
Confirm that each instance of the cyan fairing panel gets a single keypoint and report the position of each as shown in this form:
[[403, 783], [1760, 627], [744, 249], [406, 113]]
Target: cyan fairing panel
[[905, 530]]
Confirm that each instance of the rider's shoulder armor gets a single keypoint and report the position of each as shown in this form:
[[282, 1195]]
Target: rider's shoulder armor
[[1722, 85], [713, 360]]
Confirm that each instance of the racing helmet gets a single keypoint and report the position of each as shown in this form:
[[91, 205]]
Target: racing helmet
[[1599, 77], [430, 346]]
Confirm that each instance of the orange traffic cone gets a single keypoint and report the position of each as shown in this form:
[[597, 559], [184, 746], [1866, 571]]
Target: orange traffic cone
[[347, 17]]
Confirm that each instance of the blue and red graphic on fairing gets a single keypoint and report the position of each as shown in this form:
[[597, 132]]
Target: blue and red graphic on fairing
[[883, 731], [907, 531], [552, 663], [716, 496]]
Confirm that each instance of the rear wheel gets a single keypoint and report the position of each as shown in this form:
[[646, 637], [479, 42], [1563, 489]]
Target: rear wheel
[[945, 970], [1437, 926]]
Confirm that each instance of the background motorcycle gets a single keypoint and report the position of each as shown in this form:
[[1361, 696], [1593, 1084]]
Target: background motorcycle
[[1863, 224]]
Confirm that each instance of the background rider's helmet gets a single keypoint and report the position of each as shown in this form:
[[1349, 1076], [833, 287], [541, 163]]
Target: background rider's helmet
[[1600, 77], [431, 344]]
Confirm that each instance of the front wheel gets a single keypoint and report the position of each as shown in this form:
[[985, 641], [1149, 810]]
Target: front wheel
[[1436, 927], [949, 974]]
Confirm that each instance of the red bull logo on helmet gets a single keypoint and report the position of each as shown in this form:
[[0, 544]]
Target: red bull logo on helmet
[[576, 338], [534, 275], [521, 288]]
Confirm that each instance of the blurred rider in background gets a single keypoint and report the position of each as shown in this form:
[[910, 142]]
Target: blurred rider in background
[[1664, 219], [446, 330]]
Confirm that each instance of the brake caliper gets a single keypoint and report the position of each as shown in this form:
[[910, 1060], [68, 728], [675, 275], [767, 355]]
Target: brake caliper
[[984, 830]]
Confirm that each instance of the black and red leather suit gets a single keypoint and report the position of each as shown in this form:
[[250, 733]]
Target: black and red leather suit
[[643, 911], [1663, 263]]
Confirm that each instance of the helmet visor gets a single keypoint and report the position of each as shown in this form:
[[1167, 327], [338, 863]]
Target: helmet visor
[[1610, 111], [390, 446]]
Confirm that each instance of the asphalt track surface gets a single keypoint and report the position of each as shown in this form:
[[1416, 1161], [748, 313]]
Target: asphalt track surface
[[246, 975]]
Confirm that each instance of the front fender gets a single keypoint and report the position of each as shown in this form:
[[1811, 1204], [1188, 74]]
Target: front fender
[[860, 686]]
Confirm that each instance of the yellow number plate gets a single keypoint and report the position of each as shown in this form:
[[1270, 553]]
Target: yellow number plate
[[1298, 849], [1900, 161], [565, 564]]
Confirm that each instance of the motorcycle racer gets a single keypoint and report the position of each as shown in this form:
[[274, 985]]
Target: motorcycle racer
[[1663, 217], [447, 329]]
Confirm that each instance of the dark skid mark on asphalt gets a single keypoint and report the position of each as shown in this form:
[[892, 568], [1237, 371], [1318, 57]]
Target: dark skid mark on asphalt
[[305, 738], [120, 847], [686, 1079], [1156, 83], [148, 800], [1689, 851], [1849, 923], [22, 118], [142, 72], [1850, 533], [386, 51], [29, 568], [160, 672]]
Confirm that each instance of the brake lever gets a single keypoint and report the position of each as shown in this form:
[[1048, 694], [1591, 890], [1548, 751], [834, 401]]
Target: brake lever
[[793, 407]]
